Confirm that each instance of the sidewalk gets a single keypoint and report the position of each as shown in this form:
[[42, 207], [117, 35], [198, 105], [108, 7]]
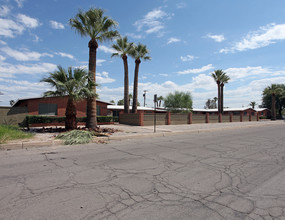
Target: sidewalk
[[130, 132]]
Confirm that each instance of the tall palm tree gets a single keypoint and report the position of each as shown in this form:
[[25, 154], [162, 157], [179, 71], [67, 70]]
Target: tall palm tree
[[272, 90], [217, 76], [224, 79], [124, 48], [140, 52], [73, 84], [159, 99], [98, 27]]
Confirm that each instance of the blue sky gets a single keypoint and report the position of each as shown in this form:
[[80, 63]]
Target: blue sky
[[187, 39]]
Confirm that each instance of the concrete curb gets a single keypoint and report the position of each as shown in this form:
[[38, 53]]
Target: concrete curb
[[25, 145]]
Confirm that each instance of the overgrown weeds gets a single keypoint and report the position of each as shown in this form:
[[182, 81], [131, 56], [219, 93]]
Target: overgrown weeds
[[9, 132]]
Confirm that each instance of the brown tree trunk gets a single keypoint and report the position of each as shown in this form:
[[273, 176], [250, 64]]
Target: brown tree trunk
[[273, 107], [126, 85], [219, 97], [135, 93], [70, 113], [222, 98], [91, 121]]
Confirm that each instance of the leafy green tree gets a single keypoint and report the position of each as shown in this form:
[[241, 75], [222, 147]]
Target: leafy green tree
[[74, 84], [112, 102], [12, 102], [139, 53], [211, 103], [124, 48], [178, 102], [120, 102], [98, 27], [273, 97]]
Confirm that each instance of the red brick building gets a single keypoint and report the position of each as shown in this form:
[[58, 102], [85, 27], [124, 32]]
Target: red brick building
[[56, 106]]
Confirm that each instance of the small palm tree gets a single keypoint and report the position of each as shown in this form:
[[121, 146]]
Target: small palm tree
[[124, 48], [73, 84], [140, 52], [130, 98], [98, 27], [272, 90], [217, 76], [224, 79], [252, 104]]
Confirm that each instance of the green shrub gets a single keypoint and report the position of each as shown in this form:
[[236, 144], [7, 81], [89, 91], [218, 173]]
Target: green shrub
[[263, 117], [75, 137], [37, 119], [9, 132]]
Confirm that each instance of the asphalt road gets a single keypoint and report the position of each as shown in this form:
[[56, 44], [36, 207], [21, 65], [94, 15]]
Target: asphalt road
[[230, 174]]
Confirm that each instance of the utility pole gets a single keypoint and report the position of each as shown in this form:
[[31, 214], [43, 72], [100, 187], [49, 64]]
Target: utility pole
[[144, 97]]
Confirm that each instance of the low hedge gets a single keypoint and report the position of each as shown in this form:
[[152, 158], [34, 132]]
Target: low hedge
[[37, 119]]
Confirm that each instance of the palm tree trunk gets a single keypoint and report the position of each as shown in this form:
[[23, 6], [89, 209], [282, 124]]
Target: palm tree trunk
[[70, 113], [273, 107], [126, 85], [219, 98], [222, 98], [135, 93], [91, 121]]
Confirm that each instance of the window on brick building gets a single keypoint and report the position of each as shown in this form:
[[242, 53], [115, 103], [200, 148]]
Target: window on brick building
[[98, 110], [47, 109]]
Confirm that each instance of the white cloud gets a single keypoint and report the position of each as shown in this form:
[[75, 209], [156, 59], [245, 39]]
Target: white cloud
[[199, 70], [9, 28], [28, 21], [246, 72], [16, 89], [19, 3], [37, 39], [263, 37], [203, 81], [187, 58], [152, 22], [217, 38], [163, 74], [107, 49], [3, 42], [103, 77], [100, 61], [154, 29], [2, 58], [65, 55], [181, 5], [4, 10], [56, 25], [24, 55], [9, 70], [135, 36], [173, 40]]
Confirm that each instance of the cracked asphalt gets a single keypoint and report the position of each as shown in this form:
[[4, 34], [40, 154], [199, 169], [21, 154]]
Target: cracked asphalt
[[224, 174]]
